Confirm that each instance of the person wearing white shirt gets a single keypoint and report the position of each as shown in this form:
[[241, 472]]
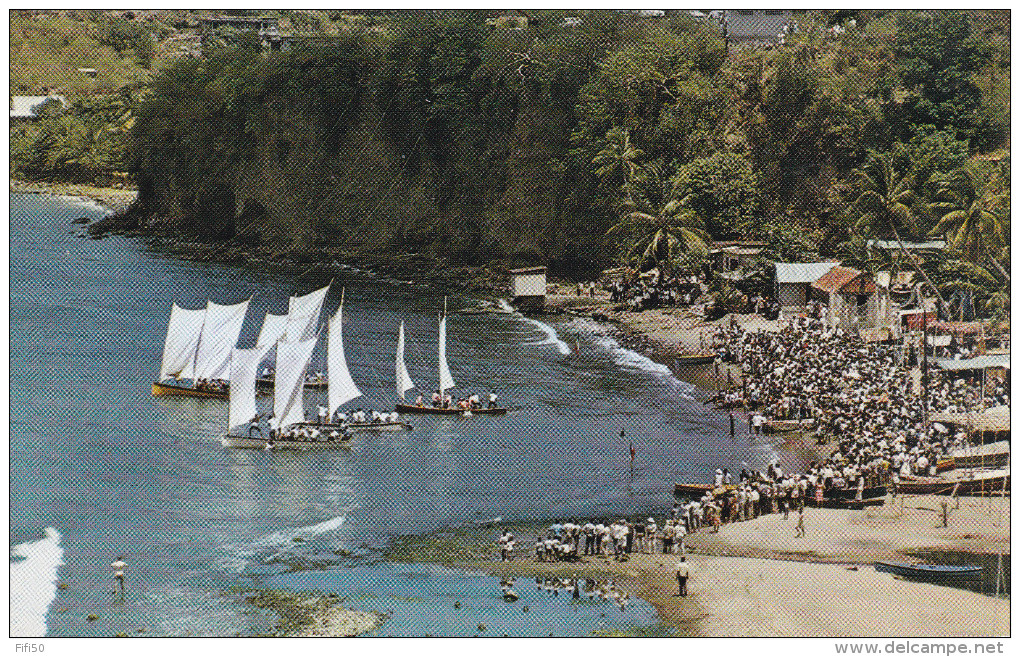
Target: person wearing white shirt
[[651, 530]]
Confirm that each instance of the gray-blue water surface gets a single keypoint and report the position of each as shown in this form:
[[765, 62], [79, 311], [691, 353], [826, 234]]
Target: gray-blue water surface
[[118, 472]]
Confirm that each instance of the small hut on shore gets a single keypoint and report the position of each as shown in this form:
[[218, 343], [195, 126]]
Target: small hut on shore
[[528, 287]]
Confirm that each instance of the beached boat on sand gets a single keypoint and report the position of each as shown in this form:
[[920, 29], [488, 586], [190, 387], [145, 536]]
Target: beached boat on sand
[[991, 482], [694, 359], [929, 572]]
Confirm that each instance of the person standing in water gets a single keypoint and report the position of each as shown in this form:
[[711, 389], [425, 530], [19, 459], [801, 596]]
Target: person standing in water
[[118, 573]]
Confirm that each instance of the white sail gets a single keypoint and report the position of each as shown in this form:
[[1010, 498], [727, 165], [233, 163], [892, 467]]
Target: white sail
[[291, 361], [340, 386], [404, 382], [219, 336], [244, 366], [273, 329], [445, 380], [182, 336], [303, 315]]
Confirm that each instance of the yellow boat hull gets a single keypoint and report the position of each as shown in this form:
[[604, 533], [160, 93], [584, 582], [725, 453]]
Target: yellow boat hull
[[159, 389]]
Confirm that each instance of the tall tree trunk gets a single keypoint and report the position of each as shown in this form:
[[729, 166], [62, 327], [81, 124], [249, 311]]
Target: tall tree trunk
[[996, 263]]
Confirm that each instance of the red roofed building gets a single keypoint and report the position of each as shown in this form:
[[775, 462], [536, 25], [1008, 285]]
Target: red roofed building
[[850, 295]]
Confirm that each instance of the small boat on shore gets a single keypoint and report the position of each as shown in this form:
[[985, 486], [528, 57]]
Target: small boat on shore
[[694, 359], [929, 572], [992, 482], [783, 426]]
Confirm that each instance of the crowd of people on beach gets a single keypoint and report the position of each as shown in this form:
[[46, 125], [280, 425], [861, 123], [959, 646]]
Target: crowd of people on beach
[[860, 395], [655, 291], [570, 541]]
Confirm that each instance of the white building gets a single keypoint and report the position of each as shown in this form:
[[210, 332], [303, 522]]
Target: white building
[[529, 286], [794, 279]]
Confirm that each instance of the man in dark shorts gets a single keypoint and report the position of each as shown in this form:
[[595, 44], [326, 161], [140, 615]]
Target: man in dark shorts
[[683, 572]]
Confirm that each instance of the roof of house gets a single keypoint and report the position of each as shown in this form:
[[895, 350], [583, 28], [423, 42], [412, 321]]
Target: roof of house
[[25, 107], [529, 270], [802, 272], [844, 279]]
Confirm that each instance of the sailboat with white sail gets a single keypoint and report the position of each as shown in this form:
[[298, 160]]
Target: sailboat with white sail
[[286, 431], [198, 348], [341, 387], [300, 322], [446, 381]]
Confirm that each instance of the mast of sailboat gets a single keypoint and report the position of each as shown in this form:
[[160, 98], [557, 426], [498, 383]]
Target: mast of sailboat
[[442, 354]]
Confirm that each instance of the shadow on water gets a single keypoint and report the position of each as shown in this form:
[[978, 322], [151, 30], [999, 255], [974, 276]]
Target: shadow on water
[[988, 583]]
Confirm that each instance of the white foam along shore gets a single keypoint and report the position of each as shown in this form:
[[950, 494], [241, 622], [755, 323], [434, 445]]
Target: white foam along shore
[[238, 555], [630, 359], [33, 580], [551, 337]]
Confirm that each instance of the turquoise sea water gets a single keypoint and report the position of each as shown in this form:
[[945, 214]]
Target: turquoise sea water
[[111, 471]]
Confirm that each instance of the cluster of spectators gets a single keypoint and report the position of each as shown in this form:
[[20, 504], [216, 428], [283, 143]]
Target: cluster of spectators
[[682, 289]]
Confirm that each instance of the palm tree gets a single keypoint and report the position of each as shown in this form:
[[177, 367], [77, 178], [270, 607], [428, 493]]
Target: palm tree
[[660, 234], [618, 161], [973, 215], [887, 199]]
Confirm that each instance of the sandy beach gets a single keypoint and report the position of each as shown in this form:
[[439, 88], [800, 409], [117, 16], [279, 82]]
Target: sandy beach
[[776, 587]]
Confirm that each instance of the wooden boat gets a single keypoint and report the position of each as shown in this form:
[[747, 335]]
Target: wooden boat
[[159, 389], [691, 490], [992, 455], [267, 382], [432, 410], [846, 498], [987, 483], [360, 426], [404, 382], [929, 572], [197, 347], [783, 426], [250, 442], [694, 359]]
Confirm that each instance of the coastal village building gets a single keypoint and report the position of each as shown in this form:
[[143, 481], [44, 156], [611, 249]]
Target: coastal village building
[[794, 279], [528, 286], [731, 259], [26, 108], [755, 26], [851, 298]]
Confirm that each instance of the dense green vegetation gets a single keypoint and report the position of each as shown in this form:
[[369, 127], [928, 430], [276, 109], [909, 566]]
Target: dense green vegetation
[[615, 139]]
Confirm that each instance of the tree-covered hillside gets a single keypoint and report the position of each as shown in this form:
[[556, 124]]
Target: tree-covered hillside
[[581, 143]]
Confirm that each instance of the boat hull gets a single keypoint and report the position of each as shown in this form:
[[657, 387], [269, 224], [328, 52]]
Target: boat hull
[[929, 572], [361, 426], [936, 486], [161, 389], [246, 442], [431, 410], [267, 384], [695, 359]]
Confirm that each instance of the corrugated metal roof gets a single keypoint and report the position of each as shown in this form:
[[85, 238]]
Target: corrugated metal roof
[[25, 107], [976, 363], [802, 272], [893, 244]]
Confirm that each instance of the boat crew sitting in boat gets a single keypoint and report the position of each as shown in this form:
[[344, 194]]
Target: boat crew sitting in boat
[[420, 402], [492, 400], [358, 416]]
